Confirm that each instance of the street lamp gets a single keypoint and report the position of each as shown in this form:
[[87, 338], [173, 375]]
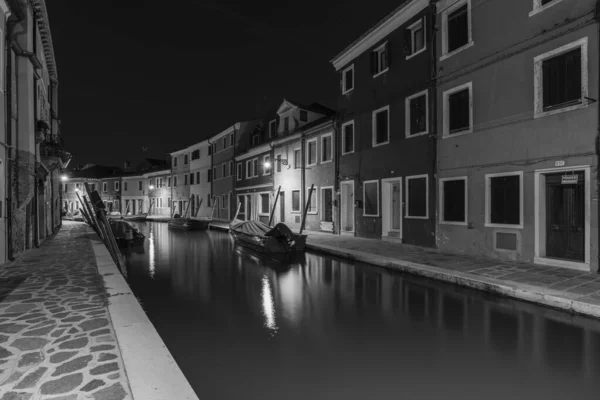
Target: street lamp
[[151, 187], [64, 178], [267, 164]]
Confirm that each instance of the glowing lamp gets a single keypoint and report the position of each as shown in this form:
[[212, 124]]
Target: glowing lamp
[[151, 187], [267, 165], [64, 178]]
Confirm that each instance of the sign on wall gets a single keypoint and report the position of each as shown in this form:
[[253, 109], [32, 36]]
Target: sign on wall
[[569, 179]]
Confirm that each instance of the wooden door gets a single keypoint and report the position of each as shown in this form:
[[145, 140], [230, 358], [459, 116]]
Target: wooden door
[[565, 222]]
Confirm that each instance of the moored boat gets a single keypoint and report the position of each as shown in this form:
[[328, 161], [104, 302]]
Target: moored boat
[[139, 217], [264, 238], [189, 224], [126, 234]]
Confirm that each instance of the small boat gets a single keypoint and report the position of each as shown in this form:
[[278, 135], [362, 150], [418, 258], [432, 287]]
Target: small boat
[[140, 217], [189, 224], [126, 234], [264, 238]]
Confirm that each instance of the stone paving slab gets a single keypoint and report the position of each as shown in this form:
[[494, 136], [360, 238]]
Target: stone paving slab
[[571, 290], [57, 340]]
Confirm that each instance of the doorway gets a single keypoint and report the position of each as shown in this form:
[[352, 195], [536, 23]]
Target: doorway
[[248, 207], [391, 199], [347, 200], [327, 209]]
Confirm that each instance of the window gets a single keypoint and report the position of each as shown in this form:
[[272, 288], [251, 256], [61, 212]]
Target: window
[[417, 114], [379, 60], [195, 154], [210, 178], [239, 171], [286, 124], [273, 128], [93, 187], [117, 185], [504, 199], [214, 174], [381, 126], [224, 201], [371, 198], [348, 79], [214, 147], [209, 150], [456, 28], [231, 141], [297, 159], [175, 181], [104, 187], [225, 142], [326, 148], [198, 177], [303, 115], [254, 140], [169, 182], [255, 166], [458, 110], [249, 170], [160, 202], [192, 178], [541, 5], [224, 170], [209, 200], [453, 200], [185, 179], [140, 185], [295, 201], [230, 168], [312, 205], [278, 163], [175, 161], [168, 202], [264, 203], [414, 39], [267, 161], [185, 159], [348, 137], [561, 79], [124, 186], [311, 152], [417, 196]]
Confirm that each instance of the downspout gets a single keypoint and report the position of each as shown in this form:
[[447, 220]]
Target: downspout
[[433, 137], [336, 171], [303, 171], [9, 148], [597, 17], [212, 180], [233, 201]]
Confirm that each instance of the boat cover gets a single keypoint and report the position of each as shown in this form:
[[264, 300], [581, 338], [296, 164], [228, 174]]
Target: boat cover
[[255, 228]]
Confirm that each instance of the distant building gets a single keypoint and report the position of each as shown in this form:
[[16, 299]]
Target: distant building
[[200, 185], [134, 194], [180, 184], [97, 178], [159, 192]]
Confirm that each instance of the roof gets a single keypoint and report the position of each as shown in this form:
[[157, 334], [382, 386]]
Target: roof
[[406, 10], [314, 107], [41, 14], [96, 172]]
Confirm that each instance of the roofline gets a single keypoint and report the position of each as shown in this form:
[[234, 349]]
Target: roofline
[[399, 16], [46, 35]]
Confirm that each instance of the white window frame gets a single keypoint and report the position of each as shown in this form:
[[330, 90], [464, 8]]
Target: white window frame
[[315, 141], [445, 14], [299, 201], [140, 185], [407, 191], [273, 128], [224, 169], [446, 110], [441, 200], [373, 127], [224, 201], [379, 50], [351, 122], [488, 200], [412, 28], [117, 185], [169, 182], [407, 114], [364, 197], [323, 137], [255, 167], [239, 171], [300, 150], [538, 80], [267, 158], [538, 7], [249, 169], [345, 90], [259, 199], [315, 196], [104, 187], [277, 162]]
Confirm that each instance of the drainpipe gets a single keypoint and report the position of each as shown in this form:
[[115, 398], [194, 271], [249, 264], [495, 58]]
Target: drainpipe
[[336, 169], [303, 172], [433, 115], [597, 17], [212, 164], [9, 148]]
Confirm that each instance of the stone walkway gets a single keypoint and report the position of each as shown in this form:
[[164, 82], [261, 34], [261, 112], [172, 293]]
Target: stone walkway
[[563, 288], [56, 337]]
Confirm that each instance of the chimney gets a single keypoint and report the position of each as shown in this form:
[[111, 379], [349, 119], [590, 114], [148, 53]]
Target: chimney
[[127, 164]]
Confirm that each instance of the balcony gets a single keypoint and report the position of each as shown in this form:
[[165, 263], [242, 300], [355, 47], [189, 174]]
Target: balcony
[[52, 151]]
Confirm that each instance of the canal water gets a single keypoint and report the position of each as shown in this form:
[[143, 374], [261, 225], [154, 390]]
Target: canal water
[[245, 326]]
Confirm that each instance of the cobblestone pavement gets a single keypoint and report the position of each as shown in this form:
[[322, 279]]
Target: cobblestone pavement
[[56, 337], [538, 280]]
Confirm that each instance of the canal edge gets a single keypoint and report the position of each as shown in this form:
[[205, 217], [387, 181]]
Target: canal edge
[[151, 370], [520, 291]]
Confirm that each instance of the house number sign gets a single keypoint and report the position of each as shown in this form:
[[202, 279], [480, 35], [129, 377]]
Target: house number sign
[[559, 163]]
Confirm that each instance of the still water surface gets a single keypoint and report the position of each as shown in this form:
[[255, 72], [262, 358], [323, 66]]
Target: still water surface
[[243, 326]]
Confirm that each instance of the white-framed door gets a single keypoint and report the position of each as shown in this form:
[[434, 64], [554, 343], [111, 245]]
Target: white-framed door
[[326, 212], [347, 223], [391, 208]]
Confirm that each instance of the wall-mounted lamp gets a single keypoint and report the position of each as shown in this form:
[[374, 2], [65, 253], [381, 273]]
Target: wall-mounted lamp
[[151, 187], [64, 178]]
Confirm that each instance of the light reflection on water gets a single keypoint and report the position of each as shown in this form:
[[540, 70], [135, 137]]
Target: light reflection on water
[[243, 325]]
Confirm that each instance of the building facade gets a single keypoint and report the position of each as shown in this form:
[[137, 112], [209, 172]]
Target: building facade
[[158, 191], [134, 196], [518, 130], [200, 186], [110, 191], [222, 175], [386, 150], [180, 186]]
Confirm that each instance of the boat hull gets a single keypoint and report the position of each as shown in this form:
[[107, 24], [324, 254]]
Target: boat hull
[[186, 224], [135, 218], [265, 243]]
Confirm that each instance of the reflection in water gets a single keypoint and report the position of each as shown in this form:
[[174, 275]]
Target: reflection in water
[[268, 306], [338, 330]]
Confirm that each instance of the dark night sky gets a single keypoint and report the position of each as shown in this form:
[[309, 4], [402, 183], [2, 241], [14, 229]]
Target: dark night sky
[[167, 74]]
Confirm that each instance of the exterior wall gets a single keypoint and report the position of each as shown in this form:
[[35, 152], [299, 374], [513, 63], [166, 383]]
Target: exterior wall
[[507, 136], [253, 186], [70, 188], [132, 194], [223, 172], [180, 192], [159, 192], [201, 189], [112, 195], [403, 156], [290, 179], [4, 138]]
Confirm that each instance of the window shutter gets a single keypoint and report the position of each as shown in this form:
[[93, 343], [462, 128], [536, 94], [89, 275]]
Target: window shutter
[[407, 42]]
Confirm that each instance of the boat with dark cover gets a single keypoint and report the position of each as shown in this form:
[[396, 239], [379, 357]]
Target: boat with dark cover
[[189, 224], [264, 238], [126, 234]]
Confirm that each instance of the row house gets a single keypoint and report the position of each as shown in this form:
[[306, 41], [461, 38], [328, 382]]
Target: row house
[[253, 177], [159, 191], [386, 145], [223, 167], [32, 153], [518, 129], [303, 141], [180, 187], [74, 185], [134, 194], [110, 192], [200, 184]]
